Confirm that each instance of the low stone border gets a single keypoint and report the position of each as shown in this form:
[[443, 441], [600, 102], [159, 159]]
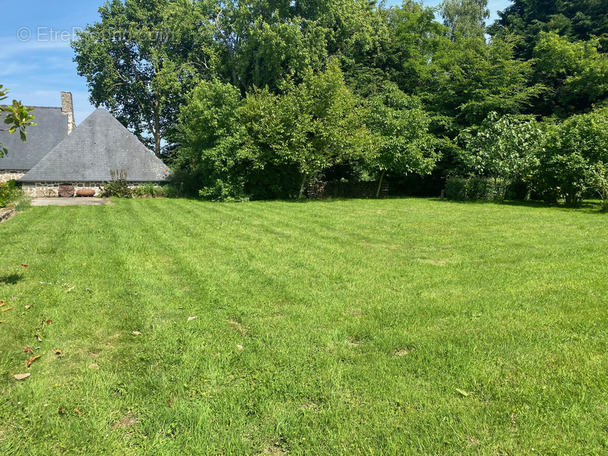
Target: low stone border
[[6, 214]]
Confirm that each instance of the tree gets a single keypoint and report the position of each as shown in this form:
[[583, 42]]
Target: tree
[[400, 127], [17, 118], [465, 18], [417, 37], [575, 72], [504, 149], [278, 141], [572, 19], [312, 125], [571, 151], [141, 59], [211, 161], [471, 78]]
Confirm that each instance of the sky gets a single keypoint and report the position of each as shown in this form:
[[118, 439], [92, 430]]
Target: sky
[[36, 60]]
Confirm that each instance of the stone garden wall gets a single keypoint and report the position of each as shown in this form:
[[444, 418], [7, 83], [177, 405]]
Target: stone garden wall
[[51, 189], [10, 174]]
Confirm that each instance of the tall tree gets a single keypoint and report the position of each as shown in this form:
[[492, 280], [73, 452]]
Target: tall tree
[[465, 18], [401, 134], [575, 72], [573, 19], [471, 78], [140, 60]]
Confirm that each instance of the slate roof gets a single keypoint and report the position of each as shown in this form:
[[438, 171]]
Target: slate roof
[[100, 144], [51, 128]]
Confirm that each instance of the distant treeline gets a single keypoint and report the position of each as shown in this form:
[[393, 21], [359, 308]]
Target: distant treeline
[[257, 99]]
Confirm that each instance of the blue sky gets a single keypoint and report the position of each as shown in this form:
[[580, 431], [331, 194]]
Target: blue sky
[[36, 58]]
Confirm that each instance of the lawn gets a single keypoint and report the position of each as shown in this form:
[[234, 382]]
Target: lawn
[[403, 326]]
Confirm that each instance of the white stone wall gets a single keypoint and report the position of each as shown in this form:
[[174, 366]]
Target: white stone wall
[[51, 189], [10, 174]]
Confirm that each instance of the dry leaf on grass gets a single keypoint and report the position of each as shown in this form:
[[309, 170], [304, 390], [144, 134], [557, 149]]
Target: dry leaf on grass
[[6, 310], [38, 338], [240, 347], [78, 411], [58, 352], [48, 322], [2, 303], [28, 350], [191, 318], [137, 333], [32, 359], [93, 366], [22, 376]]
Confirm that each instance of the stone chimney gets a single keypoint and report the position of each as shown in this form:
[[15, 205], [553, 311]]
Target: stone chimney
[[67, 108]]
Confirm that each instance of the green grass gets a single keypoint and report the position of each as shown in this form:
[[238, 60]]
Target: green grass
[[367, 327]]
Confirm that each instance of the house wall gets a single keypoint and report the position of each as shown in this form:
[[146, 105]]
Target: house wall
[[10, 174], [51, 189]]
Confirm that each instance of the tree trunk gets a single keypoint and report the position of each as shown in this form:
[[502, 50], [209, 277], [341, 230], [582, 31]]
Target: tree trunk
[[157, 138], [380, 183], [303, 187]]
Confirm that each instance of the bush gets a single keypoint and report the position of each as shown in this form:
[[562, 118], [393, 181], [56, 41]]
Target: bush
[[8, 193], [571, 153], [149, 190], [471, 189], [598, 180], [118, 186]]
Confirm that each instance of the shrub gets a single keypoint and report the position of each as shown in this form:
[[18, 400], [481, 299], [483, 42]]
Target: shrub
[[571, 151], [8, 193], [598, 180], [504, 149], [118, 186], [149, 190], [471, 188]]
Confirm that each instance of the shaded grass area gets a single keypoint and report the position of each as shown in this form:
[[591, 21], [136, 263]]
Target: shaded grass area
[[345, 327]]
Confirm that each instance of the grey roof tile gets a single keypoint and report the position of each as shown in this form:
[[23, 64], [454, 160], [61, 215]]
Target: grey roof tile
[[99, 145], [51, 128]]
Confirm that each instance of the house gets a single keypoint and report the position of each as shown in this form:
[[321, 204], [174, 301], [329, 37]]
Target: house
[[53, 125], [86, 158]]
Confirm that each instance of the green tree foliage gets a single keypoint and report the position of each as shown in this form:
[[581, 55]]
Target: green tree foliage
[[315, 124], [472, 78], [575, 72], [402, 140], [573, 19], [417, 37], [465, 18], [571, 151], [504, 149], [15, 117], [598, 180], [141, 58], [211, 159], [256, 98], [309, 127]]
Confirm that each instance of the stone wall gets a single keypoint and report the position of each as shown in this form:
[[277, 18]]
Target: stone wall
[[51, 189], [10, 174]]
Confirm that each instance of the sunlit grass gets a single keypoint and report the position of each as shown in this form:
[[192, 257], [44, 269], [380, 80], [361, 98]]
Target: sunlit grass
[[347, 327]]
